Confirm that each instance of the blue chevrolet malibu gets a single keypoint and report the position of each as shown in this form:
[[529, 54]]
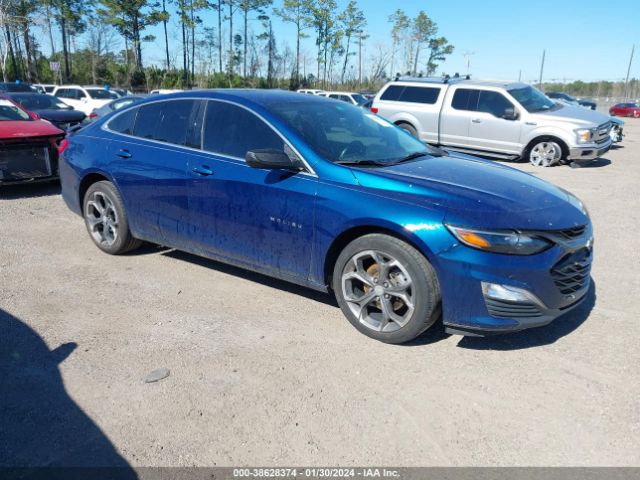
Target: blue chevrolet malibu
[[327, 195]]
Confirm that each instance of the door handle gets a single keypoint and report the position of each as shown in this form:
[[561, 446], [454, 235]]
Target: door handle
[[204, 170], [476, 120], [123, 153]]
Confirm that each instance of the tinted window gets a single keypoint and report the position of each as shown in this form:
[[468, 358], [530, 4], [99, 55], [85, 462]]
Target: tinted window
[[392, 93], [420, 95], [101, 94], [123, 123], [62, 92], [165, 121], [465, 99], [494, 103], [233, 131], [75, 93]]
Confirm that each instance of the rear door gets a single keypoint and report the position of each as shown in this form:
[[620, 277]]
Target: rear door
[[258, 218], [488, 129], [455, 120], [149, 158]]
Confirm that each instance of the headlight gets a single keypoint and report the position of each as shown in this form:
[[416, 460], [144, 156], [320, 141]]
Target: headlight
[[504, 241], [584, 135]]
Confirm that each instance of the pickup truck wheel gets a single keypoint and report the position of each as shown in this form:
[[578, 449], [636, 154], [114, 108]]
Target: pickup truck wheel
[[409, 128], [545, 153], [386, 288]]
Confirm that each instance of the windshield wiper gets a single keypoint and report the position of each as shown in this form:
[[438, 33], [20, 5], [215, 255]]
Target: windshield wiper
[[368, 163], [413, 156]]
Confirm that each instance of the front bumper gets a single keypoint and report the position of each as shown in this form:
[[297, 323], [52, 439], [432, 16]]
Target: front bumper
[[557, 281], [590, 151]]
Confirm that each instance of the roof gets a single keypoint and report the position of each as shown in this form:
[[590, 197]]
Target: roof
[[459, 80], [261, 97]]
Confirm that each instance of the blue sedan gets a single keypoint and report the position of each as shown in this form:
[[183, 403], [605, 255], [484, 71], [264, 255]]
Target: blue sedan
[[332, 197]]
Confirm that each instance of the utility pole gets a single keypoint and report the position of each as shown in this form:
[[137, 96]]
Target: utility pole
[[626, 82], [520, 75], [467, 58], [541, 69]]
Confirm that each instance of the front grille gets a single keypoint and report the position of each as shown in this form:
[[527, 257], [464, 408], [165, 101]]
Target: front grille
[[575, 232], [24, 161], [571, 273], [502, 309], [602, 132]]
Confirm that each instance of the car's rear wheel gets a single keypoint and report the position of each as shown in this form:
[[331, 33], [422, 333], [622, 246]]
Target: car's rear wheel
[[386, 288], [409, 128], [545, 153], [106, 219]]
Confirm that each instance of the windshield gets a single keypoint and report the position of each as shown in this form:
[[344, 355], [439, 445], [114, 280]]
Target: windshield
[[101, 94], [11, 112], [341, 132], [40, 102], [359, 99], [532, 99]]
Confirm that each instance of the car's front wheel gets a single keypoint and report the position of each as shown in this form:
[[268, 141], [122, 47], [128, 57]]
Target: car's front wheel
[[106, 219], [545, 153], [386, 288]]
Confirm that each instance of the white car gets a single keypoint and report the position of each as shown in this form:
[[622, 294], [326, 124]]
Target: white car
[[163, 91], [350, 97], [84, 99], [310, 91], [44, 87]]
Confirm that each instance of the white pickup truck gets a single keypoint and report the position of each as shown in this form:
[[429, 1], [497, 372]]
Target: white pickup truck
[[502, 120]]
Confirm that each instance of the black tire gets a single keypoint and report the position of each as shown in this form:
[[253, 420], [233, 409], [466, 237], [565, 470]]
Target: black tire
[[425, 290], [103, 193], [409, 128]]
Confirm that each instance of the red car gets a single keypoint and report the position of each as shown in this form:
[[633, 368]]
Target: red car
[[625, 110], [28, 146]]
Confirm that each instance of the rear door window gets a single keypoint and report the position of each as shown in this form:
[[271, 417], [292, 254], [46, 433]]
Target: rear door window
[[123, 123], [465, 99], [493, 102], [165, 121], [232, 131]]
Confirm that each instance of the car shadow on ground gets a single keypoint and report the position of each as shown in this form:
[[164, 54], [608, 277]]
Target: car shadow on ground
[[536, 337], [314, 295], [29, 190], [44, 432]]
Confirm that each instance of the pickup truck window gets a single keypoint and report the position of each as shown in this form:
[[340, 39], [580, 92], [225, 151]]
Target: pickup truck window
[[465, 99], [399, 93], [532, 99], [493, 102]]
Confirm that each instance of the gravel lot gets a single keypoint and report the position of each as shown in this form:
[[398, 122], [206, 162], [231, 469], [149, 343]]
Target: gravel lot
[[266, 373]]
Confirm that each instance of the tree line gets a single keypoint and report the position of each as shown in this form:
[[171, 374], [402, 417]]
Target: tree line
[[236, 45]]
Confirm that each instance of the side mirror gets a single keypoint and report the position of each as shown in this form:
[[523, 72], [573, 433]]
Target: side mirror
[[34, 116], [271, 159], [510, 114]]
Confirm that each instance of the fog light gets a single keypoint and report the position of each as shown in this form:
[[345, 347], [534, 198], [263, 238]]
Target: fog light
[[507, 293]]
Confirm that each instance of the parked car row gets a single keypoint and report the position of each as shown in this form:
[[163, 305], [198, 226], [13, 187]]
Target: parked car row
[[33, 123]]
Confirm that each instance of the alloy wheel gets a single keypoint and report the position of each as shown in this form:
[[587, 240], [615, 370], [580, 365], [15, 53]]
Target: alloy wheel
[[102, 218], [378, 290], [545, 154]]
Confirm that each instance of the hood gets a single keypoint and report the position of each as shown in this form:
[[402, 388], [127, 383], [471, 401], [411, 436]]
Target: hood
[[61, 116], [574, 115], [27, 128], [477, 193]]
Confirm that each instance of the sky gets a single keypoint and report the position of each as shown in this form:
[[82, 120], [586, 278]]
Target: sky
[[583, 39]]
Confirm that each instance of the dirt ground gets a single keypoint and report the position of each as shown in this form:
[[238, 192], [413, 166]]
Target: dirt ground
[[266, 373]]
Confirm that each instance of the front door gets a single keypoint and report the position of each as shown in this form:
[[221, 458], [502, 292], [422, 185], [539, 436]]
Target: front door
[[488, 129], [258, 218]]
